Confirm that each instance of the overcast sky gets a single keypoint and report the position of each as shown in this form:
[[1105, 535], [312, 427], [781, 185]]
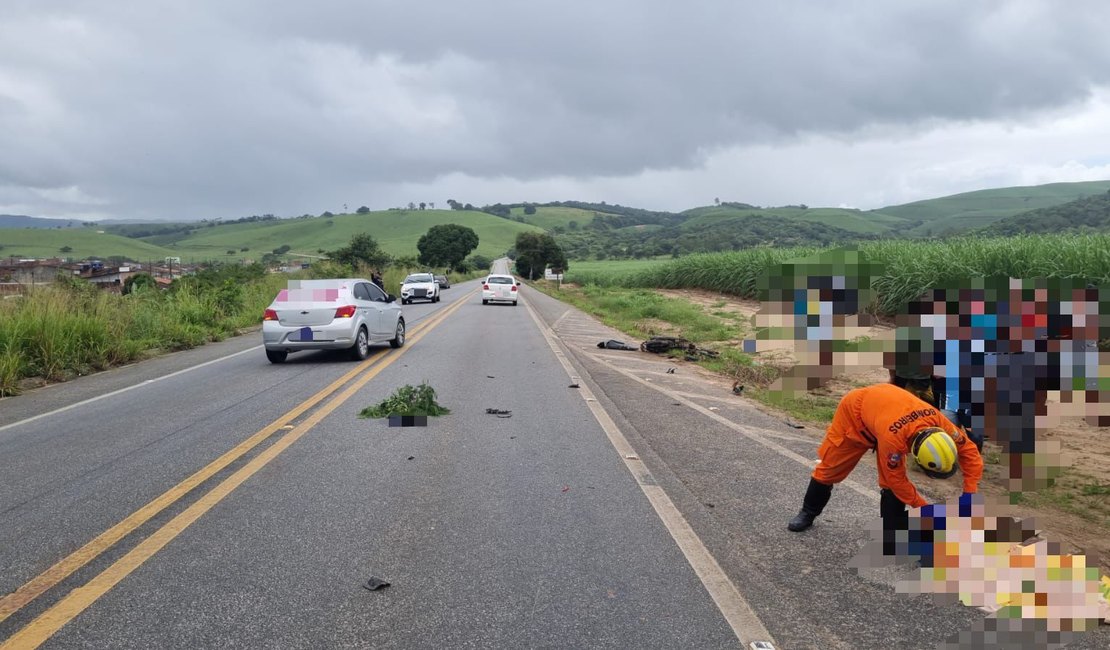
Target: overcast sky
[[216, 109]]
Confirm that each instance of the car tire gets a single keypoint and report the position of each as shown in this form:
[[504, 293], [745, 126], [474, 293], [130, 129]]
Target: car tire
[[399, 340], [485, 302], [276, 356], [514, 303], [361, 349]]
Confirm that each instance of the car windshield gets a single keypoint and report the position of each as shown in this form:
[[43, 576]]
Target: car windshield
[[501, 280], [419, 277]]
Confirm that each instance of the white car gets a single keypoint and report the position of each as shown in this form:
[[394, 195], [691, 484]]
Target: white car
[[419, 286], [347, 313], [501, 288]]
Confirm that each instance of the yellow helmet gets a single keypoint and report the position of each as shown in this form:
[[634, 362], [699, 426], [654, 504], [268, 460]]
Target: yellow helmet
[[935, 452]]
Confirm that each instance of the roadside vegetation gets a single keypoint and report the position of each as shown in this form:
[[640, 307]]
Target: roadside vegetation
[[906, 269], [73, 328]]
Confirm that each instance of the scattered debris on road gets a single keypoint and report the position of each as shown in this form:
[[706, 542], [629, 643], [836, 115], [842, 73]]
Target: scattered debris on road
[[566, 488], [664, 344], [794, 424], [631, 457], [411, 457], [574, 386], [500, 413], [613, 344], [374, 584], [670, 371], [737, 388]]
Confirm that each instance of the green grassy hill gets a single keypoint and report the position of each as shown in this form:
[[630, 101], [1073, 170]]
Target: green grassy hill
[[1089, 214], [551, 217], [867, 223], [974, 210], [396, 231], [84, 242]]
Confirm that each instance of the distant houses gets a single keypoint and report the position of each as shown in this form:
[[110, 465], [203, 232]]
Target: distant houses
[[19, 274]]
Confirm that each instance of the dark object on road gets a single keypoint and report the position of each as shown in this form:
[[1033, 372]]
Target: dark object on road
[[566, 488], [411, 457], [664, 344], [794, 424], [408, 420], [374, 584], [670, 371], [737, 388], [499, 413], [574, 386], [490, 377], [613, 344]]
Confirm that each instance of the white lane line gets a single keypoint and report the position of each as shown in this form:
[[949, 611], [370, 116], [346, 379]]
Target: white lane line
[[752, 434], [124, 390], [737, 612]]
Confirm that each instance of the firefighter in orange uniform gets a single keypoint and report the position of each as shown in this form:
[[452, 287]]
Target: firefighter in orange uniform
[[898, 426]]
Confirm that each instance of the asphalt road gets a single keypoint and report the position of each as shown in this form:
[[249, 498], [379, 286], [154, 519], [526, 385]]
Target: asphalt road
[[575, 523]]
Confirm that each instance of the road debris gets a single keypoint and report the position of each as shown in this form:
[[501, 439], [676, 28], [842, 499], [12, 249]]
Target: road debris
[[374, 584], [631, 457], [794, 424], [574, 386], [613, 344], [410, 457], [500, 413], [664, 344], [737, 388], [407, 401], [566, 488], [670, 371]]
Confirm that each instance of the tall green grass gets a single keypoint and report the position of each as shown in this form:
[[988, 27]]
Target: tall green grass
[[74, 328], [909, 268]]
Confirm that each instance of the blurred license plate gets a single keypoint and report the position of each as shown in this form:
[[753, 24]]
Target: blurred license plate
[[303, 334]]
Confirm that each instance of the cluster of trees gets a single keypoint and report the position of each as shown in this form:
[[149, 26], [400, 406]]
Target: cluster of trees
[[446, 246], [534, 252], [598, 240], [1090, 213]]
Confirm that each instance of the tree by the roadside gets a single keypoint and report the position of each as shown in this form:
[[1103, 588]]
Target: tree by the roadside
[[479, 262], [529, 209], [537, 251], [137, 282], [446, 245], [362, 249], [363, 210]]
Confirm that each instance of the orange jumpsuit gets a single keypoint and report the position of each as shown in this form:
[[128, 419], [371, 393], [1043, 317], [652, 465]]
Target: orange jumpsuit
[[885, 418]]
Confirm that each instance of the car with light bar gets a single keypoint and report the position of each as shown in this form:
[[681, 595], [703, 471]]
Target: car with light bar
[[419, 286], [500, 288], [341, 314]]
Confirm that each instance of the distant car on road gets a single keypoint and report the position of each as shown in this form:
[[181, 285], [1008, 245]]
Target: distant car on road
[[443, 282], [341, 314], [500, 288], [419, 286]]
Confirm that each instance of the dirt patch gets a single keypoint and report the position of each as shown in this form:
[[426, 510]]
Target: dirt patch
[[1075, 512]]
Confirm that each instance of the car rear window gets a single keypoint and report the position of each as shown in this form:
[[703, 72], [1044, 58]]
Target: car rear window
[[500, 280]]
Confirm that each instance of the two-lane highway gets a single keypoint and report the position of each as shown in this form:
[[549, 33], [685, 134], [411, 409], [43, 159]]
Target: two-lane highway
[[521, 531]]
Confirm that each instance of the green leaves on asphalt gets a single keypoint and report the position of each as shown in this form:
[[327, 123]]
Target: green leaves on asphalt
[[407, 400]]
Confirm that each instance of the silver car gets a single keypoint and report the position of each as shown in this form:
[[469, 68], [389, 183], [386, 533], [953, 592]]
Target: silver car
[[343, 314]]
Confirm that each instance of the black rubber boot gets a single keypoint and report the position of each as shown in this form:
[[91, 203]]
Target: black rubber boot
[[817, 496]]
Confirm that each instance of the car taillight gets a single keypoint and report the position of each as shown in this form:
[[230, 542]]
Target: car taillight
[[485, 287], [345, 311], [269, 314], [514, 288]]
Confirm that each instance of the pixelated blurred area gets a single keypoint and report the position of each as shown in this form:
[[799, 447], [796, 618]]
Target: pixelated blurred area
[[1010, 358], [1023, 363], [824, 307], [972, 550]]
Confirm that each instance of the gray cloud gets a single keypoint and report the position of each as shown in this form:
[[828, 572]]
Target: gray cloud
[[202, 109]]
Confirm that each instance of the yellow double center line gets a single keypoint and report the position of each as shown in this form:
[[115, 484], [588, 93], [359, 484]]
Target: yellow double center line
[[50, 621]]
